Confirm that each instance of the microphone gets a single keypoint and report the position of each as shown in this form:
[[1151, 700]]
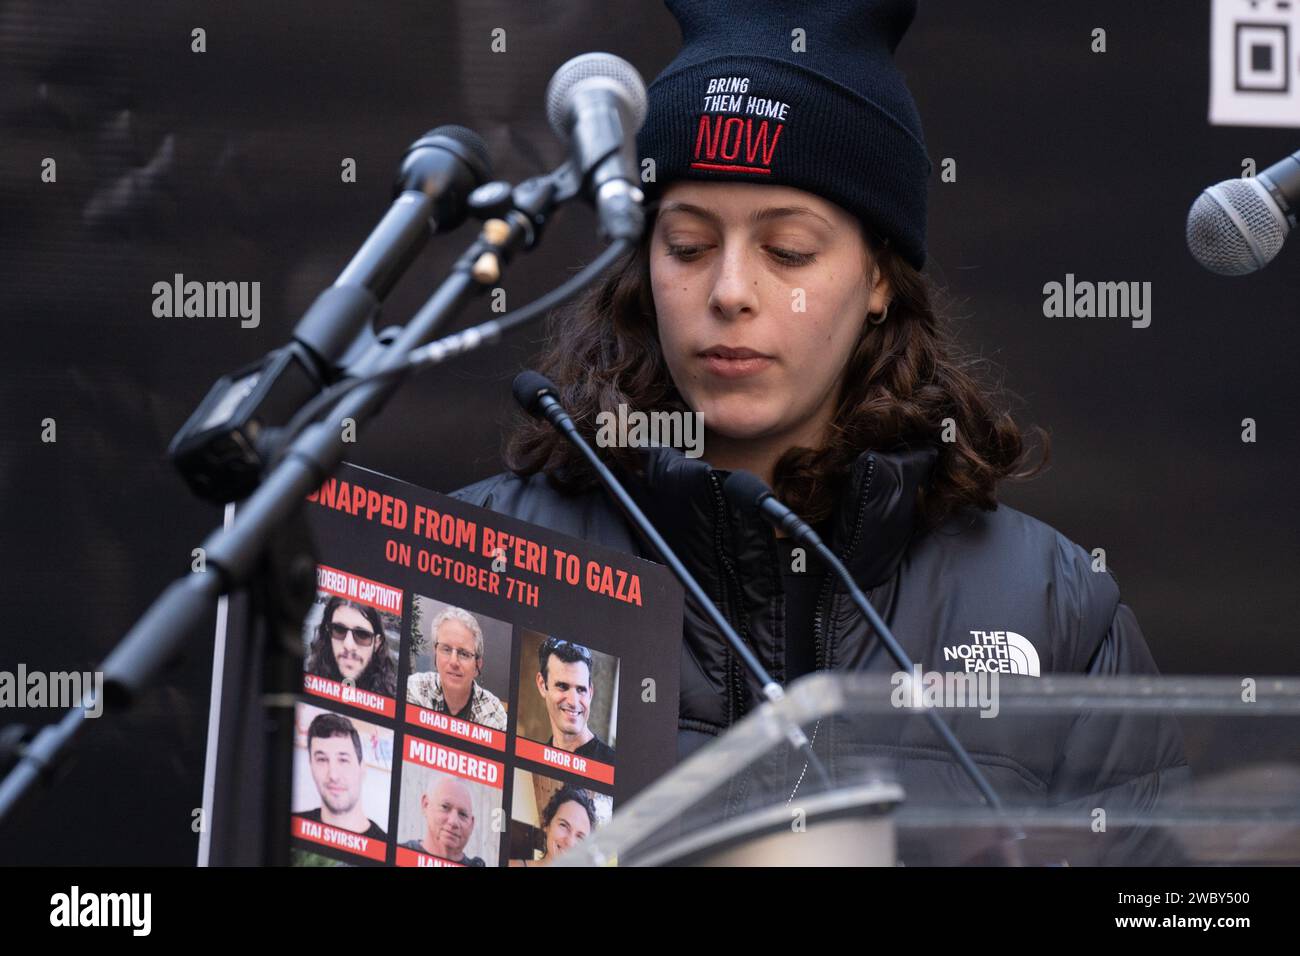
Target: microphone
[[747, 493], [539, 398], [596, 103], [218, 451], [431, 195], [1237, 226]]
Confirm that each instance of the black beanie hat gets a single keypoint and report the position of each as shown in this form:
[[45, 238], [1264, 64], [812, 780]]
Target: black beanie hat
[[738, 104]]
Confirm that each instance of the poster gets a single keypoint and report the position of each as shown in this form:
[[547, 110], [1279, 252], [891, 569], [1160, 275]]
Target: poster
[[477, 691]]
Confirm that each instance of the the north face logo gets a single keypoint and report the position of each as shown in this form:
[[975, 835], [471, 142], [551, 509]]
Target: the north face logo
[[737, 132], [1005, 652]]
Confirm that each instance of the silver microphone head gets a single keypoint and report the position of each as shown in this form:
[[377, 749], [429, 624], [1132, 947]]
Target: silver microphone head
[[1235, 228], [595, 68]]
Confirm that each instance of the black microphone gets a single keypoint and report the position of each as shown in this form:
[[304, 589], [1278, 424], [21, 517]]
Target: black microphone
[[220, 451], [1237, 226], [431, 195], [538, 397], [596, 102], [748, 493]]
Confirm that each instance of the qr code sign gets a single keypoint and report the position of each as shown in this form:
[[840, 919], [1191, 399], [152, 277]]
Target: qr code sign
[[1255, 63]]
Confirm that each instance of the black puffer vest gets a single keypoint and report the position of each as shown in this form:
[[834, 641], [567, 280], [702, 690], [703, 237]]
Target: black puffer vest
[[945, 594]]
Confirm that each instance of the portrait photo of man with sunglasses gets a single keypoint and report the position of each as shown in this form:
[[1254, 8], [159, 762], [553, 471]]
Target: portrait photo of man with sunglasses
[[351, 646]]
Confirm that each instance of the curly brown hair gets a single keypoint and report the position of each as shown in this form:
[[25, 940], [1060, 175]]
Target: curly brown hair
[[905, 378]]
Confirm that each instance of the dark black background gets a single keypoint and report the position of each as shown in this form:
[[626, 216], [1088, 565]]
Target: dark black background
[[1068, 161]]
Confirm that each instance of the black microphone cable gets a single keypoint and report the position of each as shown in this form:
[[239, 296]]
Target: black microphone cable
[[449, 346], [748, 492], [537, 395]]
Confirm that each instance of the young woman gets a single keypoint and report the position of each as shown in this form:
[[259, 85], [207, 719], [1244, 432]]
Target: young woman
[[778, 293]]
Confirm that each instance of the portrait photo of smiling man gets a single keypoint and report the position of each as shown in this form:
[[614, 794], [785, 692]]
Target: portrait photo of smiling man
[[336, 758], [456, 643], [447, 817], [576, 688]]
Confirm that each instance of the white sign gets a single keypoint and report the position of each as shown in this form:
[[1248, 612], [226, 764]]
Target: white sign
[[1255, 63]]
